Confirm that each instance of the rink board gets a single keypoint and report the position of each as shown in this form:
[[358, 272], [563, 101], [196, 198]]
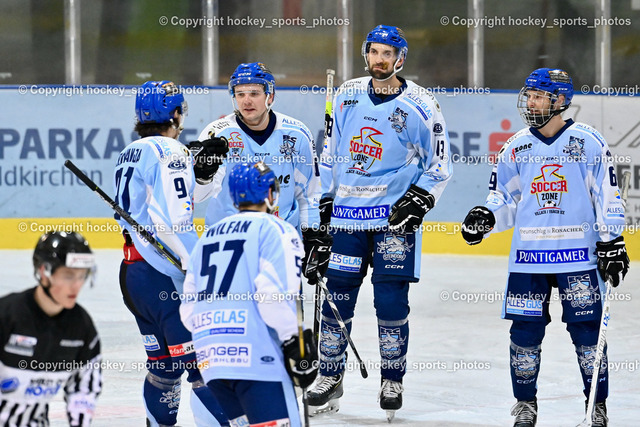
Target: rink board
[[91, 124]]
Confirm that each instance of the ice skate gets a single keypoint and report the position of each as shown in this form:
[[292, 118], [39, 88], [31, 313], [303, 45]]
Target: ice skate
[[526, 413], [390, 397], [599, 417], [323, 395]]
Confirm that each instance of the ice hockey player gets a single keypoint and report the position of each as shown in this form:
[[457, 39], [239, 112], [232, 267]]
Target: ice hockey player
[[154, 181], [555, 184], [257, 133], [243, 282], [394, 136], [48, 342]]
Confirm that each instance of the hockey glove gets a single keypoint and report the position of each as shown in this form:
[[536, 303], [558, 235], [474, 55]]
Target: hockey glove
[[407, 213], [208, 155], [478, 222], [326, 209], [302, 370], [317, 251], [613, 261]]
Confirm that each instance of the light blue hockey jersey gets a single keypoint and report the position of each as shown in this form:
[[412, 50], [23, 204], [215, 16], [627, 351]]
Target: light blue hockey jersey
[[154, 182], [239, 298], [377, 150], [561, 196], [289, 152]]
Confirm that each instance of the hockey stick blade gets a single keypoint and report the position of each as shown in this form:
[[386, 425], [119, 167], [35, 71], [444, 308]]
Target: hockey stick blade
[[125, 215], [343, 327]]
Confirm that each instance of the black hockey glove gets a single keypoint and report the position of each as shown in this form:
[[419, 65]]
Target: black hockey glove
[[317, 251], [407, 213], [302, 370], [326, 209], [478, 222], [613, 261], [208, 156]]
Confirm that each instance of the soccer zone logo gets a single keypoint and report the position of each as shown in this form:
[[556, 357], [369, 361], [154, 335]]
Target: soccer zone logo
[[391, 342], [332, 341], [525, 362], [575, 148], [394, 247], [398, 120], [365, 150], [548, 188], [580, 292], [236, 146], [288, 147]]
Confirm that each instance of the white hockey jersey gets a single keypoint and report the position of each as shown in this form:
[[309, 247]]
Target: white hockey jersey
[[239, 298], [378, 149], [154, 182], [561, 196], [288, 150]]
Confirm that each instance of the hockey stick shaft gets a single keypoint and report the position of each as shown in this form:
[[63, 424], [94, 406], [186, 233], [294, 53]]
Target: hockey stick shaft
[[604, 323], [343, 327], [328, 122], [305, 402], [124, 215]]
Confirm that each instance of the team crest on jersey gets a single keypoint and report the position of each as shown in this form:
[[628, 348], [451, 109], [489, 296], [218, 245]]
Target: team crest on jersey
[[575, 148], [587, 358], [236, 146], [580, 292], [365, 150], [22, 345], [548, 188], [525, 362], [288, 147], [332, 341], [398, 120], [391, 342], [394, 247]]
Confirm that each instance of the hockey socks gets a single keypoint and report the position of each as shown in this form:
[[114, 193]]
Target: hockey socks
[[161, 400], [393, 338], [206, 409]]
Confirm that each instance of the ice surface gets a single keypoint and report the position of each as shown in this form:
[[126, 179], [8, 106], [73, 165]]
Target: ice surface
[[445, 333]]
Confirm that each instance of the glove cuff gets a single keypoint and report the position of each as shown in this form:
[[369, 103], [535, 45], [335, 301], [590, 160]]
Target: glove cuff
[[427, 198]]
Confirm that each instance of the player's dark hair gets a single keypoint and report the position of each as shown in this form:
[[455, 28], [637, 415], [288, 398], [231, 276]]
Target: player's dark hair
[[151, 129]]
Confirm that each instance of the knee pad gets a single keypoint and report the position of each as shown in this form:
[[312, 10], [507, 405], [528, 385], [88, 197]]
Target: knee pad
[[527, 334], [584, 333], [343, 293], [390, 298]]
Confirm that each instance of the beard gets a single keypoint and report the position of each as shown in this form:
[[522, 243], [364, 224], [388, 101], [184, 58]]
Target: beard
[[380, 75]]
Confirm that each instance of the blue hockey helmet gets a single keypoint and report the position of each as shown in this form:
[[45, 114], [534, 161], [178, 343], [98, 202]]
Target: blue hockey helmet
[[250, 184], [392, 36], [156, 102], [555, 82], [253, 73]]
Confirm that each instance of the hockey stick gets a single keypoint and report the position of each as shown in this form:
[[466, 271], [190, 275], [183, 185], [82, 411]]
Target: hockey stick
[[305, 402], [132, 222], [343, 327], [328, 123], [604, 323]]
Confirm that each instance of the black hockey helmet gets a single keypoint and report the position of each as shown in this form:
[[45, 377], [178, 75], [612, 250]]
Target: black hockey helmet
[[61, 248]]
